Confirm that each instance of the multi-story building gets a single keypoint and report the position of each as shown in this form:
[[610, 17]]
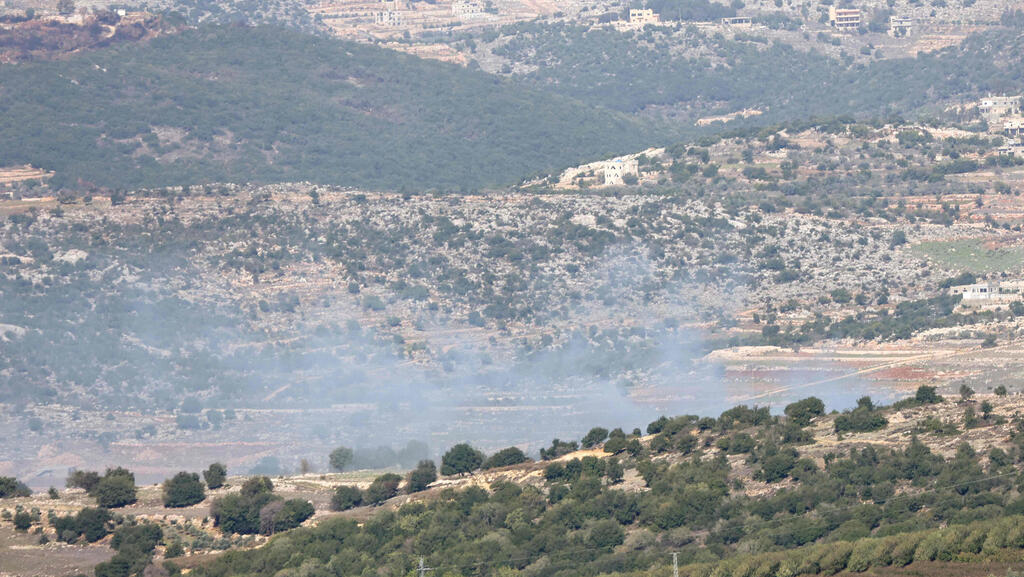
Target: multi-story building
[[466, 9], [900, 26], [844, 19], [1013, 127], [640, 17]]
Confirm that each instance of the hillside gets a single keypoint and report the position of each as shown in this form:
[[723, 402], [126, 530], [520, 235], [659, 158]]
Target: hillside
[[925, 481], [265, 105], [687, 71]]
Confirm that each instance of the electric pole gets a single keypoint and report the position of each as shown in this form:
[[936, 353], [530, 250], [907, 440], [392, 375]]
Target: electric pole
[[675, 564]]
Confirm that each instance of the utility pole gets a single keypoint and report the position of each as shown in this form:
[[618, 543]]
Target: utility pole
[[675, 564], [422, 570]]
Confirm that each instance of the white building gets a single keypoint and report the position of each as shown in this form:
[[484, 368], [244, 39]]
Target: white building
[[983, 293], [466, 9], [642, 17], [900, 26], [1013, 127], [387, 18], [738, 21], [995, 107], [615, 171], [1013, 148]]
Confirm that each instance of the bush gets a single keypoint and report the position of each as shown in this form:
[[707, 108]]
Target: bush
[[835, 559], [383, 488], [594, 437], [240, 512], [346, 497], [862, 555], [505, 458], [115, 491], [927, 396], [421, 477], [22, 521], [11, 487], [616, 445], [92, 523], [277, 516], [215, 476], [801, 412], [183, 490], [86, 480], [903, 552], [461, 459], [606, 534], [862, 419]]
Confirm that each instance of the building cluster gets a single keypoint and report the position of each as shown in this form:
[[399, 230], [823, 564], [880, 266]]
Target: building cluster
[[1005, 115], [389, 18]]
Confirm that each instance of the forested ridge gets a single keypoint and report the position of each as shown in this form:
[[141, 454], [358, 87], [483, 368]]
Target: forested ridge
[[739, 495], [637, 70], [239, 104]]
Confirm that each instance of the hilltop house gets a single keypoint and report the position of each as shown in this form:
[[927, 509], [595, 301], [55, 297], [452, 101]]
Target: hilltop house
[[983, 293], [615, 171]]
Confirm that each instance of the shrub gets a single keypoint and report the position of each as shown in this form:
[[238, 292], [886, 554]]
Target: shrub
[[277, 516], [183, 490], [862, 555], [86, 480], [834, 560], [422, 476], [215, 476], [594, 437], [505, 458], [903, 552], [11, 487], [346, 497], [801, 412], [115, 491], [92, 523], [461, 459], [929, 547], [383, 488]]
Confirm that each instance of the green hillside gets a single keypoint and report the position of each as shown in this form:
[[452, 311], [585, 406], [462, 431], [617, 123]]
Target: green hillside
[[632, 72], [267, 105], [746, 494]]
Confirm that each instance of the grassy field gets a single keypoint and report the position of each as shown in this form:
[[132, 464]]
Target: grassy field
[[972, 255]]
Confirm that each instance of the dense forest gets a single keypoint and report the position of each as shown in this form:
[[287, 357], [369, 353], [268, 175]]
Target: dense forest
[[656, 67], [264, 104]]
